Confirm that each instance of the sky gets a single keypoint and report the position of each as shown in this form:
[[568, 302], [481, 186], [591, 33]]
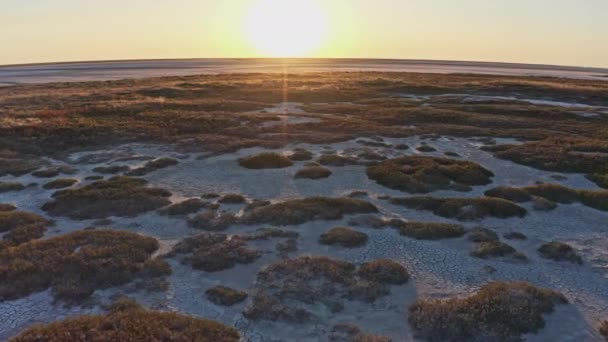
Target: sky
[[563, 32]]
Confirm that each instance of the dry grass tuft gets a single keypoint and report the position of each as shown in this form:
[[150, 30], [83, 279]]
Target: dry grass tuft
[[428, 230], [313, 172], [60, 183], [186, 207], [464, 209], [222, 295], [559, 251], [266, 160], [11, 186], [345, 237]]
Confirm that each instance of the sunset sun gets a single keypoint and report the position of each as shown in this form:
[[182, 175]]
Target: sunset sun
[[286, 28]]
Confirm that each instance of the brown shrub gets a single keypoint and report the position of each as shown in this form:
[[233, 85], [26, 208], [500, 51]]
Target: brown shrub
[[130, 322], [498, 311], [17, 167], [601, 179], [493, 249], [222, 295], [186, 207], [515, 236], [301, 155], [463, 208], [346, 332], [603, 329], [482, 235], [21, 227], [153, 165], [313, 172], [11, 186], [53, 171], [425, 174], [118, 196], [212, 221], [266, 160], [336, 160], [232, 199], [559, 251], [545, 194], [75, 264], [345, 237], [7, 207], [60, 183], [114, 169], [428, 230], [510, 193], [384, 271]]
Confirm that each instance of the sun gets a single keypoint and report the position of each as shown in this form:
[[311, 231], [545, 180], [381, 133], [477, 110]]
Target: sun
[[286, 28]]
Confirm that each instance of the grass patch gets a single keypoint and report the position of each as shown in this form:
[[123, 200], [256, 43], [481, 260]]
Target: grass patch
[[114, 169], [301, 155], [266, 160], [17, 167], [153, 165], [7, 207], [127, 321], [299, 211], [601, 179], [186, 207], [345, 237], [232, 199], [482, 235], [222, 295], [426, 148], [74, 265], [21, 227], [214, 252], [336, 160], [60, 183], [345, 332], [212, 221], [428, 230], [117, 196], [11, 186], [313, 172], [559, 251], [425, 174], [498, 311], [492, 249], [515, 236], [464, 209], [384, 271]]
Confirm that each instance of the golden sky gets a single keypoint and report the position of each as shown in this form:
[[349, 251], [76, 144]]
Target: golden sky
[[566, 32]]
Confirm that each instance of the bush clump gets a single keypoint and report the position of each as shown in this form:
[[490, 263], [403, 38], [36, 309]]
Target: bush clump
[[117, 196], [74, 265], [127, 321], [601, 179], [603, 329], [345, 332], [336, 160], [212, 221], [501, 311], [345, 237], [113, 169], [515, 236], [17, 167], [298, 211], [266, 160], [153, 165], [186, 207], [214, 252], [559, 251], [492, 249], [301, 155], [384, 271], [416, 174], [482, 235], [21, 227], [428, 230], [463, 208], [313, 172], [7, 207], [232, 199], [222, 295], [11, 186], [60, 183], [426, 148]]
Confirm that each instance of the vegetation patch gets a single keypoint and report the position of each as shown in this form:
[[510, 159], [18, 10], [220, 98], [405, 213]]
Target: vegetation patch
[[313, 172], [20, 227], [464, 209], [266, 160], [292, 290], [232, 199], [153, 165], [345, 237], [336, 160], [493, 249], [300, 154], [482, 235], [559, 251], [7, 207], [417, 174], [299, 211], [212, 221], [60, 183], [498, 311], [428, 230], [346, 332], [426, 148], [117, 196], [11, 186], [76, 264], [214, 252], [127, 321], [222, 295], [601, 179], [17, 167], [186, 207], [114, 169], [515, 236], [603, 329], [384, 271]]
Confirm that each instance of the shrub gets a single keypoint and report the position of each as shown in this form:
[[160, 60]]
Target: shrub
[[222, 295], [301, 155], [232, 199], [212, 221], [268, 233], [515, 236], [601, 179], [463, 208], [426, 148], [214, 252], [336, 160], [384, 271], [428, 230], [75, 264], [510, 193], [127, 321], [114, 169], [60, 183], [345, 332], [603, 329], [118, 196], [93, 178], [401, 147], [298, 211], [10, 186], [425, 174], [153, 165], [21, 227], [482, 235], [186, 207], [344, 237], [7, 207], [559, 251], [313, 172], [17, 167], [492, 249], [266, 160], [498, 311], [452, 154]]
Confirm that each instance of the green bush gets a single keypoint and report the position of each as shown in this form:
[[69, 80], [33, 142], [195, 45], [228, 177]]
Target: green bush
[[212, 221], [266, 160], [345, 237]]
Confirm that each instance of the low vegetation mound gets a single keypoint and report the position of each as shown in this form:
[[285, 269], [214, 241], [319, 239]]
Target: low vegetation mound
[[11, 186], [346, 332], [20, 227], [336, 160], [554, 193], [299, 211], [426, 148], [292, 290], [499, 311], [232, 199], [481, 234], [416, 174], [117, 196], [76, 264], [7, 207], [384, 271], [493, 249], [313, 172], [60, 183], [428, 230], [601, 179], [127, 321], [464, 209], [17, 167], [153, 165], [214, 252], [603, 329], [113, 169], [222, 295], [559, 251], [345, 237], [212, 221], [515, 236], [301, 155], [266, 160], [186, 207]]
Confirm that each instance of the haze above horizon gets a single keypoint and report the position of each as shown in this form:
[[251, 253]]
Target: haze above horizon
[[558, 32]]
